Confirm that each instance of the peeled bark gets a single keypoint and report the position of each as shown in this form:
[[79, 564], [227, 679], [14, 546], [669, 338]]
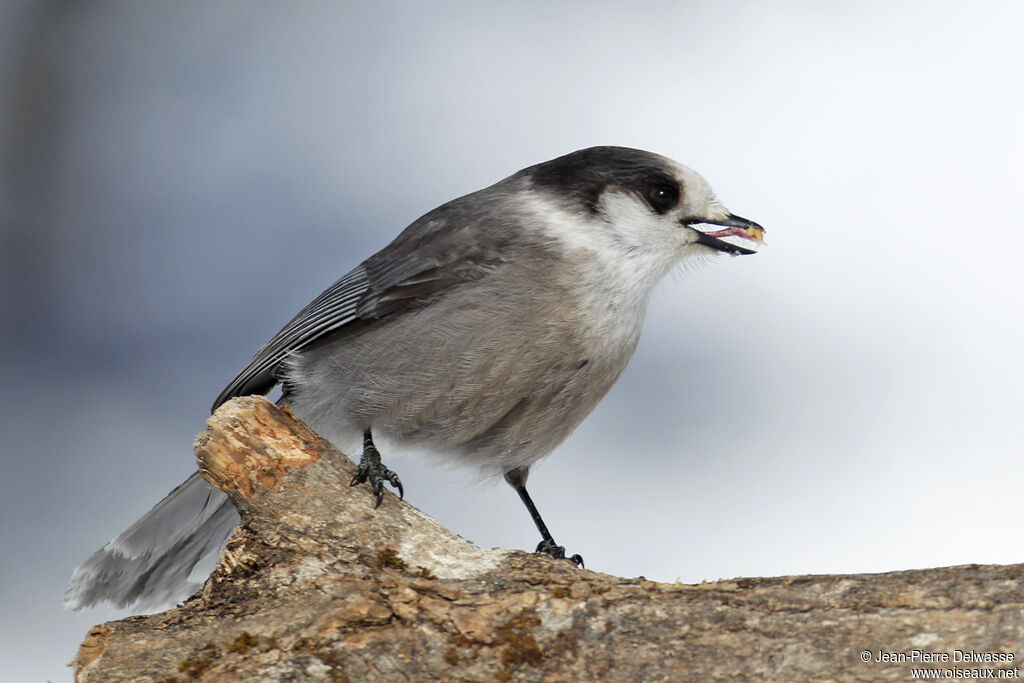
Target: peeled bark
[[316, 584]]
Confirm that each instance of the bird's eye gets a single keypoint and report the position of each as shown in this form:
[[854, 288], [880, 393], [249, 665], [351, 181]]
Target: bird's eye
[[662, 197]]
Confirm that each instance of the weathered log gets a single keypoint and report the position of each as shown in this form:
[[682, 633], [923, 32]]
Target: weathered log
[[316, 584]]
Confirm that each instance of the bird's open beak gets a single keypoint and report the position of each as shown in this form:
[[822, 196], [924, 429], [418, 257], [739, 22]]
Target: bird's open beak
[[735, 226]]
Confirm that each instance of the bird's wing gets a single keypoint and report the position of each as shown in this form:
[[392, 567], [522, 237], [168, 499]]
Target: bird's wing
[[414, 269], [334, 308]]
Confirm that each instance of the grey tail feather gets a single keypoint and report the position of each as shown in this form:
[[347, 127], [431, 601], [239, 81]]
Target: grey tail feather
[[163, 557]]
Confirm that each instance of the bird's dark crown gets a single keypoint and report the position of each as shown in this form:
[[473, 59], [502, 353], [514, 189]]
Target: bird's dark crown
[[583, 175]]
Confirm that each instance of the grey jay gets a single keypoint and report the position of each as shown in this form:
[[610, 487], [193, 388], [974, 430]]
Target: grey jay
[[484, 333]]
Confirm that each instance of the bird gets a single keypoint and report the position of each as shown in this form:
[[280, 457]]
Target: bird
[[483, 334]]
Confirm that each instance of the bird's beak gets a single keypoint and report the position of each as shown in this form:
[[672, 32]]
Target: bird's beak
[[734, 226]]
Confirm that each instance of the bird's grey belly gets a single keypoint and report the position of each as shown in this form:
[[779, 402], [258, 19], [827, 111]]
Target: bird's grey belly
[[496, 385]]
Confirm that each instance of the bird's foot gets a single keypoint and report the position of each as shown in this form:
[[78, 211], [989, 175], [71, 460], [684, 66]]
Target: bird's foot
[[373, 471], [548, 547]]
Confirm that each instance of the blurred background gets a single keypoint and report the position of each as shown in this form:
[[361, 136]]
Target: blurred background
[[178, 179]]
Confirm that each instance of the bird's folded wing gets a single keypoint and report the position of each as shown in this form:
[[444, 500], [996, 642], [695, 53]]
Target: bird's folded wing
[[399, 277]]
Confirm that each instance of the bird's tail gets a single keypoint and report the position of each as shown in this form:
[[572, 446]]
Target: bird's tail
[[162, 558]]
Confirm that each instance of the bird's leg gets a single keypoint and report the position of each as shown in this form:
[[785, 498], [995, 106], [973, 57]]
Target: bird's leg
[[517, 478], [372, 470]]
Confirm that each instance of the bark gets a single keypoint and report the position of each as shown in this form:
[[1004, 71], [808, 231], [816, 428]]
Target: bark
[[318, 585]]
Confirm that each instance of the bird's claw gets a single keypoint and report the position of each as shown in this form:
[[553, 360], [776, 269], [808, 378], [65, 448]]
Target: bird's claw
[[549, 547], [373, 471]]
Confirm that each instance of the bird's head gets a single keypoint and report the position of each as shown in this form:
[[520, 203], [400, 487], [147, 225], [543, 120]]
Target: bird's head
[[639, 202]]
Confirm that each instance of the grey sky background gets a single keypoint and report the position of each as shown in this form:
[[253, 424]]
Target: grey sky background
[[178, 179]]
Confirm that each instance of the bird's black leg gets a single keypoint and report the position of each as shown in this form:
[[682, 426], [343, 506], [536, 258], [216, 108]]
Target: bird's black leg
[[370, 469], [517, 478]]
